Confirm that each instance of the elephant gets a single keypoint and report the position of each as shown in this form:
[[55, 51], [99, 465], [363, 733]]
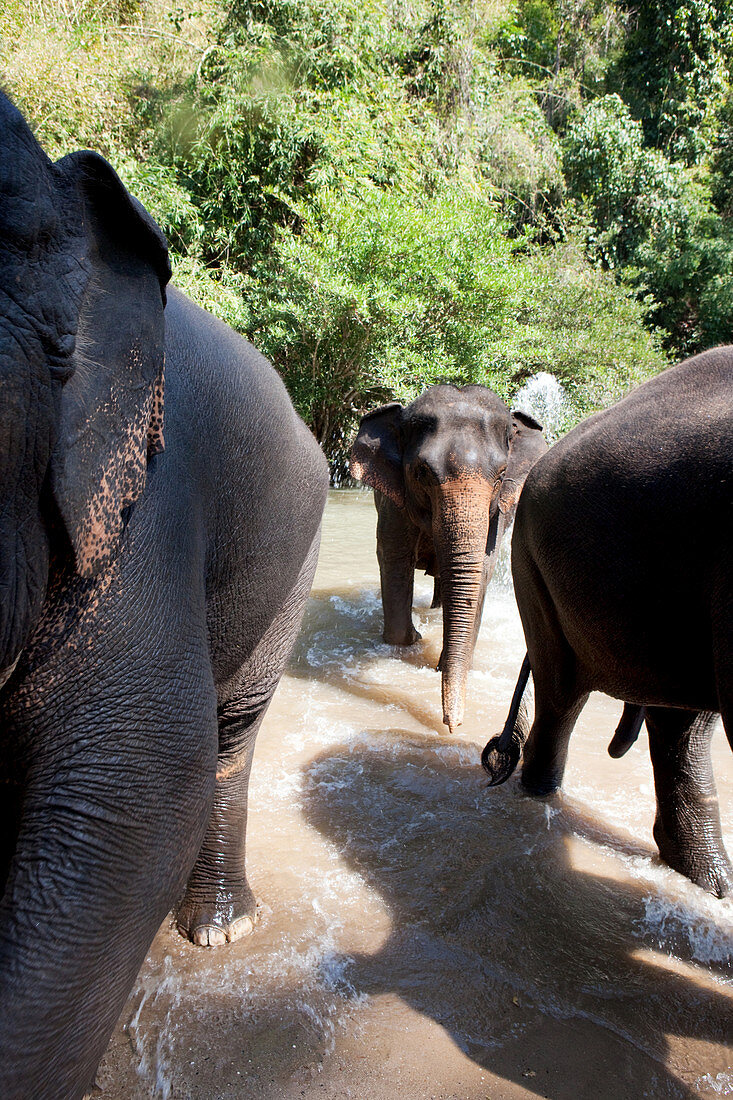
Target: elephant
[[621, 557], [447, 472], [159, 527]]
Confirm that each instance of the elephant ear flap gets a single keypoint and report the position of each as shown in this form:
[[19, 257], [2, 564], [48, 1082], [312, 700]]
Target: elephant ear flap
[[376, 453], [526, 445], [111, 416]]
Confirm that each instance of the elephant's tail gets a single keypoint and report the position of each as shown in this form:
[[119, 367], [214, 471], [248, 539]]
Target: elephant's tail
[[627, 730], [501, 755]]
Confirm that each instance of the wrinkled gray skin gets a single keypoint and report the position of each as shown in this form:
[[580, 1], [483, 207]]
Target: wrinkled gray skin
[[149, 598], [622, 558], [447, 472]]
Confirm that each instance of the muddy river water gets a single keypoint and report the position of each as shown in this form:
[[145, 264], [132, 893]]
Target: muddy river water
[[422, 936]]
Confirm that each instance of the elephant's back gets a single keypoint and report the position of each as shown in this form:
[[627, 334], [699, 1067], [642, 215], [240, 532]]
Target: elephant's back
[[627, 521], [226, 388], [254, 472], [667, 447]]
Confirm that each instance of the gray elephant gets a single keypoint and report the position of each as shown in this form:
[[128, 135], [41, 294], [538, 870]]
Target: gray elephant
[[622, 558], [156, 552], [447, 472]]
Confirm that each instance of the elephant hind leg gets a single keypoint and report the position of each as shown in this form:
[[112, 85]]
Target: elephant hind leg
[[546, 751], [560, 690], [687, 826]]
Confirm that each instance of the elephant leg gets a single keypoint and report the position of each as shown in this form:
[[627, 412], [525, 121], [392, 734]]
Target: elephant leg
[[560, 689], [112, 819], [219, 905], [546, 750], [687, 825], [396, 553]]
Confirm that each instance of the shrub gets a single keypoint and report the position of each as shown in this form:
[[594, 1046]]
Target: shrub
[[674, 71], [652, 220], [375, 300]]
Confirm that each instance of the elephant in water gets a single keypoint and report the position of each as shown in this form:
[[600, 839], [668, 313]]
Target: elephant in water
[[622, 558], [158, 536], [447, 472]]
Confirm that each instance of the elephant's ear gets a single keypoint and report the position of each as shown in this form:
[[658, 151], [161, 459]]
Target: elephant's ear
[[376, 453], [111, 413], [526, 445]]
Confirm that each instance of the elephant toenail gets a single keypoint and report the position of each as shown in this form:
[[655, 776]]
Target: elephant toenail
[[240, 928], [207, 935]]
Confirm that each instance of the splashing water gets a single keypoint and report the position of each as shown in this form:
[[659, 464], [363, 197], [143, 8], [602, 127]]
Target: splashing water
[[420, 935], [543, 397]]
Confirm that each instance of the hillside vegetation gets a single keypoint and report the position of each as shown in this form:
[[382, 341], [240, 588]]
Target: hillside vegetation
[[389, 193]]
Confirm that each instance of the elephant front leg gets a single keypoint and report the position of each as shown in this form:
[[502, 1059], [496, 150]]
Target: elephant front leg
[[396, 550], [219, 906], [110, 827], [687, 826]]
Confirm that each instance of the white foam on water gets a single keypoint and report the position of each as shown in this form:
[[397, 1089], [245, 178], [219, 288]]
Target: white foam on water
[[335, 745], [721, 1084], [362, 608], [703, 922], [154, 1048]]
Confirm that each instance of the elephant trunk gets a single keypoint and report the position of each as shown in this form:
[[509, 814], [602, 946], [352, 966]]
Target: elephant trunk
[[460, 530]]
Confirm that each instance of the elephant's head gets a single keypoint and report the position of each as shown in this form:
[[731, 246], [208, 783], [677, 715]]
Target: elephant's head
[[83, 270], [455, 460]]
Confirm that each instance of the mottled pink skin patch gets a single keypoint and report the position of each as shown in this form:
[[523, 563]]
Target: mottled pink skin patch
[[120, 481], [373, 477], [156, 442], [60, 642], [509, 496]]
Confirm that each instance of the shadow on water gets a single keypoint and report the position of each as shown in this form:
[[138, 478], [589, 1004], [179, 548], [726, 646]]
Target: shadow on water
[[501, 937]]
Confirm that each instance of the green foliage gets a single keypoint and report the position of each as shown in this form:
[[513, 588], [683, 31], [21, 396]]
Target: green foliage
[[270, 120], [628, 190], [567, 46], [675, 69], [76, 68], [389, 193], [518, 153], [159, 190], [654, 221], [722, 160], [574, 321], [377, 299]]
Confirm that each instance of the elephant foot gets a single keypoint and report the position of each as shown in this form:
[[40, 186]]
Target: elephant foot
[[712, 871], [411, 636], [214, 935], [539, 785], [212, 925], [717, 881]]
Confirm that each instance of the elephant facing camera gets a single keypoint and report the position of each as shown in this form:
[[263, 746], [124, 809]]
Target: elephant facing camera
[[447, 472]]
